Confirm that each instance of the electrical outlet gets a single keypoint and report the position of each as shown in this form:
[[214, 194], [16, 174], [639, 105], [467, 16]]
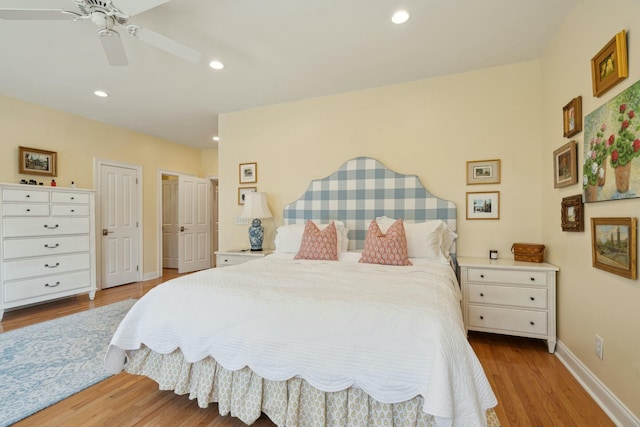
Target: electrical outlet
[[599, 346], [242, 221]]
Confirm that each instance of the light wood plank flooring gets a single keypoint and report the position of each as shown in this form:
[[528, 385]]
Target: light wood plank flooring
[[532, 386]]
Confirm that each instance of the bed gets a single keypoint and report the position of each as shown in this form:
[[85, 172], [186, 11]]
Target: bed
[[315, 342]]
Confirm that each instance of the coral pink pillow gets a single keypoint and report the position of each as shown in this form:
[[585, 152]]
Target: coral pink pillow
[[319, 244], [388, 249]]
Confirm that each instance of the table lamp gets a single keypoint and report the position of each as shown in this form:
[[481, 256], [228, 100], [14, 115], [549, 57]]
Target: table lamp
[[255, 207]]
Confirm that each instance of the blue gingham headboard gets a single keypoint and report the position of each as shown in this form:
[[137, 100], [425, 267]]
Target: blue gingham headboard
[[363, 189]]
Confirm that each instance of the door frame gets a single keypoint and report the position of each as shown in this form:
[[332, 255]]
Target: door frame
[[98, 163]]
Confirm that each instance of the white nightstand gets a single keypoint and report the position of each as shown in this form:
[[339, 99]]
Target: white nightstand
[[509, 297], [238, 256]]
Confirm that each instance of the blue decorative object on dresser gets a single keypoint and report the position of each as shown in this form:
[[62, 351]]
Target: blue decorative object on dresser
[[256, 207]]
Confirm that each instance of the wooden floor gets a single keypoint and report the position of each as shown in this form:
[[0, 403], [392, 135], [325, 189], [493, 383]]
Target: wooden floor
[[532, 386]]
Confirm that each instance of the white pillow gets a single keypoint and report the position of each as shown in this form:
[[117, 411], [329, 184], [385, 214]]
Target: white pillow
[[289, 237], [429, 239]]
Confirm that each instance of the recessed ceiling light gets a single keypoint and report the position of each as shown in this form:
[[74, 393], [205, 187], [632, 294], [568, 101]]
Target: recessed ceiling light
[[216, 65], [216, 138], [400, 17], [101, 93]]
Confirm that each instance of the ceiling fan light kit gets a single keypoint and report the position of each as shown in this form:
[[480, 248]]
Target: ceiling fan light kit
[[107, 16]]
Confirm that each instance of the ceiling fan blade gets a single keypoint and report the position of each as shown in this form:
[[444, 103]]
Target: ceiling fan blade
[[37, 14], [165, 43], [113, 47], [134, 7]]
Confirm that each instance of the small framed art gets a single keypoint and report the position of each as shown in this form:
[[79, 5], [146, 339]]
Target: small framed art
[[34, 161], [613, 245], [572, 214], [609, 67], [248, 173], [483, 172], [572, 117], [565, 160], [483, 205], [242, 192]]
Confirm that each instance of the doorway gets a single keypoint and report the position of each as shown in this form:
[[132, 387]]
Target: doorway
[[187, 222]]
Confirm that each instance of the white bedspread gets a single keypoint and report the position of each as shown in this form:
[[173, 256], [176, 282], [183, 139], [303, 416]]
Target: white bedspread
[[395, 332]]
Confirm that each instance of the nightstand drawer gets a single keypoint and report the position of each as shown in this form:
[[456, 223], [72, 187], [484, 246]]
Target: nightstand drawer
[[521, 321], [227, 260], [508, 295], [524, 277]]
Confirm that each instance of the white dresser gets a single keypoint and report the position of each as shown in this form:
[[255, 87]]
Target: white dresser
[[509, 297], [239, 256], [48, 244]]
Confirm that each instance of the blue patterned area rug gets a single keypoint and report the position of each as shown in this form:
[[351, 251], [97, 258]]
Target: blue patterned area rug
[[44, 363]]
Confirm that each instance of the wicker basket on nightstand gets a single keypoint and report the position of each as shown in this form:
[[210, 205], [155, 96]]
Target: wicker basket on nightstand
[[530, 252]]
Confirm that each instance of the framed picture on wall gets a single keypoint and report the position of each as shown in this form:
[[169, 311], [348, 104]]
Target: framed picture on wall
[[565, 169], [34, 161], [242, 192], [483, 172], [483, 205], [572, 213], [248, 173], [613, 245], [609, 67], [572, 117]]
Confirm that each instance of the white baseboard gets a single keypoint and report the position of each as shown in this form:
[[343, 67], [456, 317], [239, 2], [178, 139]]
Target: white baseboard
[[610, 404], [151, 275]]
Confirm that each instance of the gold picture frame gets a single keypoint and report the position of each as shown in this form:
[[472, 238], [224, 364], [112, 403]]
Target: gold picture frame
[[242, 191], [34, 161], [483, 172], [483, 205], [565, 165], [572, 117], [613, 245], [572, 215], [609, 67], [248, 173]]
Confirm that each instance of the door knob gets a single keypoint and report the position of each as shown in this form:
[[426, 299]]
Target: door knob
[[182, 228], [106, 232]]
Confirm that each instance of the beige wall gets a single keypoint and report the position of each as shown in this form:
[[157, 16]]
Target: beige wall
[[429, 128], [590, 301], [78, 142], [209, 159]]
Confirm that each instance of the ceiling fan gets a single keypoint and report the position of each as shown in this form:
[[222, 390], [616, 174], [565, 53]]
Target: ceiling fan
[[107, 17]]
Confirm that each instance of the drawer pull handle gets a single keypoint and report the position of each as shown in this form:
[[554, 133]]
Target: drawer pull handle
[[533, 279], [482, 276], [481, 317], [28, 210], [28, 195], [73, 198], [51, 286], [54, 227], [46, 245], [52, 266], [481, 294], [73, 210], [532, 298], [532, 323]]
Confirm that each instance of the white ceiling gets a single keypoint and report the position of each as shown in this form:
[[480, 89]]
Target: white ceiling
[[274, 51]]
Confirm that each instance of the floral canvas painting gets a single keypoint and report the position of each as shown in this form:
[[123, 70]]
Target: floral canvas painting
[[611, 168]]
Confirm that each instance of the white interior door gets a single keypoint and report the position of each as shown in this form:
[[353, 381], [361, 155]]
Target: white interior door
[[194, 236], [119, 234], [170, 223]]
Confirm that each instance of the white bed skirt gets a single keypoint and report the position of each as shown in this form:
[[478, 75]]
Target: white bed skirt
[[291, 403]]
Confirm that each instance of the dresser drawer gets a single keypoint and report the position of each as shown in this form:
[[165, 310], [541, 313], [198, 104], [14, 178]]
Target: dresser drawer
[[49, 285], [70, 210], [25, 209], [70, 198], [46, 265], [44, 246], [26, 227], [24, 195], [524, 277], [227, 260], [508, 295], [508, 320]]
